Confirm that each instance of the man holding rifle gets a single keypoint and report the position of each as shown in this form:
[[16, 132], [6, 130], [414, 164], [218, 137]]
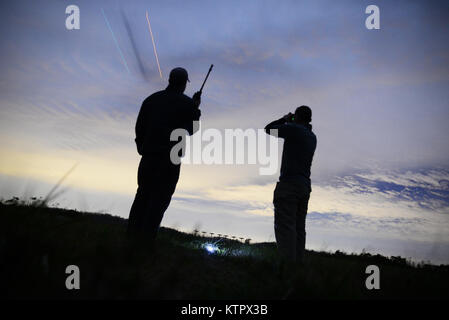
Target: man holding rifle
[[160, 114]]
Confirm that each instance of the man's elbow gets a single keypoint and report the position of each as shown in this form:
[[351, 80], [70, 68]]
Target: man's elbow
[[273, 131], [195, 128], [190, 131], [267, 129], [197, 115]]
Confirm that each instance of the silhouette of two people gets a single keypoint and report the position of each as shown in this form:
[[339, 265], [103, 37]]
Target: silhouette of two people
[[160, 114], [170, 109]]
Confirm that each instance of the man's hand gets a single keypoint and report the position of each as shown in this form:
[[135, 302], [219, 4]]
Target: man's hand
[[288, 117], [197, 99]]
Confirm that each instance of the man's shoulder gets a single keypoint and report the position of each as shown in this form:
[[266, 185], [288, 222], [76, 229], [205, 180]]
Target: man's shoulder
[[186, 98], [180, 99], [167, 99], [156, 94], [153, 96], [303, 130], [166, 93], [296, 127]]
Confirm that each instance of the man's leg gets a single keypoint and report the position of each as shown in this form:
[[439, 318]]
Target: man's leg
[[140, 203], [158, 204], [301, 214], [136, 213], [162, 188], [285, 206]]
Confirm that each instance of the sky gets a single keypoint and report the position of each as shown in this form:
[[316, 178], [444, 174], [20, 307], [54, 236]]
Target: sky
[[380, 175]]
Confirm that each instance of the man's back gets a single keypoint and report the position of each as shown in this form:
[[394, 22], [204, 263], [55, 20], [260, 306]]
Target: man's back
[[292, 193], [157, 176], [299, 147], [297, 156], [160, 114]]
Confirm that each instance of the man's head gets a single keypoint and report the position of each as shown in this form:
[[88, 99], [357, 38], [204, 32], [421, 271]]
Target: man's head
[[178, 79], [303, 114]]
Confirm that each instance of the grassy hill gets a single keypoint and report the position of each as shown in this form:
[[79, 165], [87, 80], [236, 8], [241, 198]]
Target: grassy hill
[[37, 243]]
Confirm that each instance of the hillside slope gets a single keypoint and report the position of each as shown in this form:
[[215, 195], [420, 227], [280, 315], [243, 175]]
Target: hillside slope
[[38, 243]]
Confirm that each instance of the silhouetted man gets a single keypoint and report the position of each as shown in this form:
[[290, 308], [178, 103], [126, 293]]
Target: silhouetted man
[[160, 114], [292, 192]]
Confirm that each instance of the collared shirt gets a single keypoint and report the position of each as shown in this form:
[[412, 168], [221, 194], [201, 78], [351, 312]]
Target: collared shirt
[[299, 148], [160, 114]]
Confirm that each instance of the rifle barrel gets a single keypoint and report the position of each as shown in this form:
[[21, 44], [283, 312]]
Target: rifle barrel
[[207, 76]]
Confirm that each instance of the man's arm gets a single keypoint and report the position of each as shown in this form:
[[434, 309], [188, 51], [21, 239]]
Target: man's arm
[[280, 125], [193, 115], [141, 125]]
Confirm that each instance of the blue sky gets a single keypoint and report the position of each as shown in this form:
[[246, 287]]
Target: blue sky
[[379, 99]]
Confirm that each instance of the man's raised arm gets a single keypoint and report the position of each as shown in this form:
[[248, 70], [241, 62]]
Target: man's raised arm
[[280, 125], [194, 115]]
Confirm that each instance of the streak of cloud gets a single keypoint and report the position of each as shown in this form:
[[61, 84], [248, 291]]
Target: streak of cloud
[[154, 45], [134, 45], [115, 40]]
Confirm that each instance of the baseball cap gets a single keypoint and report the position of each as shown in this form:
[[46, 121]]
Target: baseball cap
[[178, 75]]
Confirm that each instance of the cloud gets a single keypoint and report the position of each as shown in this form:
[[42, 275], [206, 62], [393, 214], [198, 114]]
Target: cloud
[[379, 104], [386, 202]]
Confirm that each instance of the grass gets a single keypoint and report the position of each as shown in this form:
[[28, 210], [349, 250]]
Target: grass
[[37, 243]]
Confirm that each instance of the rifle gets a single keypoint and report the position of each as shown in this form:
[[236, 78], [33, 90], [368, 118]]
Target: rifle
[[207, 76]]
